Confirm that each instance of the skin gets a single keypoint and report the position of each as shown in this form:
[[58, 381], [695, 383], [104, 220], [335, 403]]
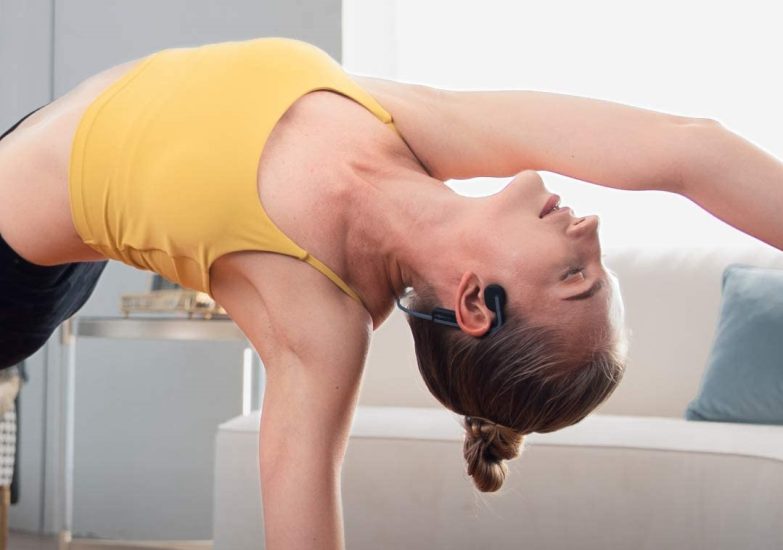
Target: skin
[[374, 208]]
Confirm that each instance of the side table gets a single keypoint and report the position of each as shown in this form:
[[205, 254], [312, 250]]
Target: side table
[[154, 328]]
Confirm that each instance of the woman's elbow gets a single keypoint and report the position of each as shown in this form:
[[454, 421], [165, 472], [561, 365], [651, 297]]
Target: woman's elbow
[[695, 149]]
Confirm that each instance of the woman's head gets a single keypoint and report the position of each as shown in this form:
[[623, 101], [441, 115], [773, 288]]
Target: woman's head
[[561, 349], [551, 264]]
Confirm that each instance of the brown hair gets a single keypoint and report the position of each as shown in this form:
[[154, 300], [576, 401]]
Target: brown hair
[[524, 378]]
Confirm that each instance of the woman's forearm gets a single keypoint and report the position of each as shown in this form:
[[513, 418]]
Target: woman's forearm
[[302, 509], [736, 181]]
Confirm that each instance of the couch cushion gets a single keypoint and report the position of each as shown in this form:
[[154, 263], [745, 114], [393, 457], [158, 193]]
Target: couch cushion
[[744, 378]]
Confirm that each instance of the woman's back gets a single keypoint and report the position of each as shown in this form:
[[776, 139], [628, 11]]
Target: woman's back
[[35, 216]]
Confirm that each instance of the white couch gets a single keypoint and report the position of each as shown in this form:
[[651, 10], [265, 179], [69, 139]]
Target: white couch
[[632, 475]]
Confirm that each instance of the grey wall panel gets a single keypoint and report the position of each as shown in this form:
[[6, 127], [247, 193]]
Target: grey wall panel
[[25, 57], [145, 435], [92, 35], [145, 419], [147, 412], [25, 83]]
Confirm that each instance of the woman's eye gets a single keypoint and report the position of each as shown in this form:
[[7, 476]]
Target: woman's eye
[[576, 272]]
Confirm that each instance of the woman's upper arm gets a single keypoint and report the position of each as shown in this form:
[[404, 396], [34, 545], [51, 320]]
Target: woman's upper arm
[[313, 393], [309, 400], [465, 134]]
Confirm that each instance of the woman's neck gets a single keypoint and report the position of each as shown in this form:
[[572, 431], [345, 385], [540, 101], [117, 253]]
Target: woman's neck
[[405, 228]]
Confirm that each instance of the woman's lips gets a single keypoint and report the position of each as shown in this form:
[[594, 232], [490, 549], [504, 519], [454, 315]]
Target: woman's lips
[[549, 205], [560, 210], [550, 208]]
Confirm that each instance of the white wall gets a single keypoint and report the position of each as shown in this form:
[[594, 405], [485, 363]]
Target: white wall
[[697, 58]]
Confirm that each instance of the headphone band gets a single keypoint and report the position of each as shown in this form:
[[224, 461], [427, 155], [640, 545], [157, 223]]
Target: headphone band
[[494, 298]]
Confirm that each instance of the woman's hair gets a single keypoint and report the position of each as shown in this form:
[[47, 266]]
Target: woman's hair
[[525, 378]]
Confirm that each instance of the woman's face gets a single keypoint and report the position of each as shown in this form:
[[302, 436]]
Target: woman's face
[[552, 264]]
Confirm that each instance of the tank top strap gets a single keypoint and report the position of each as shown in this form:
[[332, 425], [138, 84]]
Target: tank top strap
[[323, 268]]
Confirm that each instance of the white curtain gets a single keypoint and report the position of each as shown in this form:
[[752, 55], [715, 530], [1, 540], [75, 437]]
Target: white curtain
[[696, 58]]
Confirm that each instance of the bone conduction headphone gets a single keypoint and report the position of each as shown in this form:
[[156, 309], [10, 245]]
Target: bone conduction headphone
[[494, 298]]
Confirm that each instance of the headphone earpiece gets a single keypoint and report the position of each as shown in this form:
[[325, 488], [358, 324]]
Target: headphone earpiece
[[495, 298], [494, 291]]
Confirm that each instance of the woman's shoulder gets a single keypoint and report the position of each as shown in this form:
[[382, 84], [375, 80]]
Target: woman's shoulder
[[420, 114]]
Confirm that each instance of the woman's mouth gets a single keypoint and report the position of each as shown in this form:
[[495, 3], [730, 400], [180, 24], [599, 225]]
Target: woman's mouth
[[553, 203]]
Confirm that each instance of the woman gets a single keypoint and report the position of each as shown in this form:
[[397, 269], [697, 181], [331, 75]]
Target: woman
[[157, 163]]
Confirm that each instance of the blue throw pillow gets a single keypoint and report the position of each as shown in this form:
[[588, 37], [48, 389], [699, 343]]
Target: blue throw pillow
[[743, 381]]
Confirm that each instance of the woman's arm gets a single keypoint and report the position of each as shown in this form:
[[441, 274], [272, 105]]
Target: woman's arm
[[302, 441], [459, 135], [313, 340], [309, 400], [623, 147], [736, 181], [305, 424]]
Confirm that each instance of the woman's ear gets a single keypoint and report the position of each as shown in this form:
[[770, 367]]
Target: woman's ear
[[472, 314]]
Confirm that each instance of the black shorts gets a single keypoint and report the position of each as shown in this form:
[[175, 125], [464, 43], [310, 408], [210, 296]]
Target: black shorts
[[36, 299]]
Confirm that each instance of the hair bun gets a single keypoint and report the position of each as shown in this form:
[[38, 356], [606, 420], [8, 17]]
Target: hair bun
[[487, 445]]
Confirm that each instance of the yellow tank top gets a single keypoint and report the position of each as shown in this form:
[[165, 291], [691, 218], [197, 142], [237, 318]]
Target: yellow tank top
[[163, 170]]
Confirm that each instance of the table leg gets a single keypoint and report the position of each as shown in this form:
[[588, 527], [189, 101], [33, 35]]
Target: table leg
[[67, 394], [5, 503]]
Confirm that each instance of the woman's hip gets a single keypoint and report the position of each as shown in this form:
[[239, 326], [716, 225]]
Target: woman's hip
[[35, 300]]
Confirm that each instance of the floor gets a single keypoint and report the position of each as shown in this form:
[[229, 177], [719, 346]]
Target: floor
[[22, 541]]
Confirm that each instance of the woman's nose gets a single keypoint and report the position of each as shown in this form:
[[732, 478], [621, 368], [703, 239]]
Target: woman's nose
[[533, 178]]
